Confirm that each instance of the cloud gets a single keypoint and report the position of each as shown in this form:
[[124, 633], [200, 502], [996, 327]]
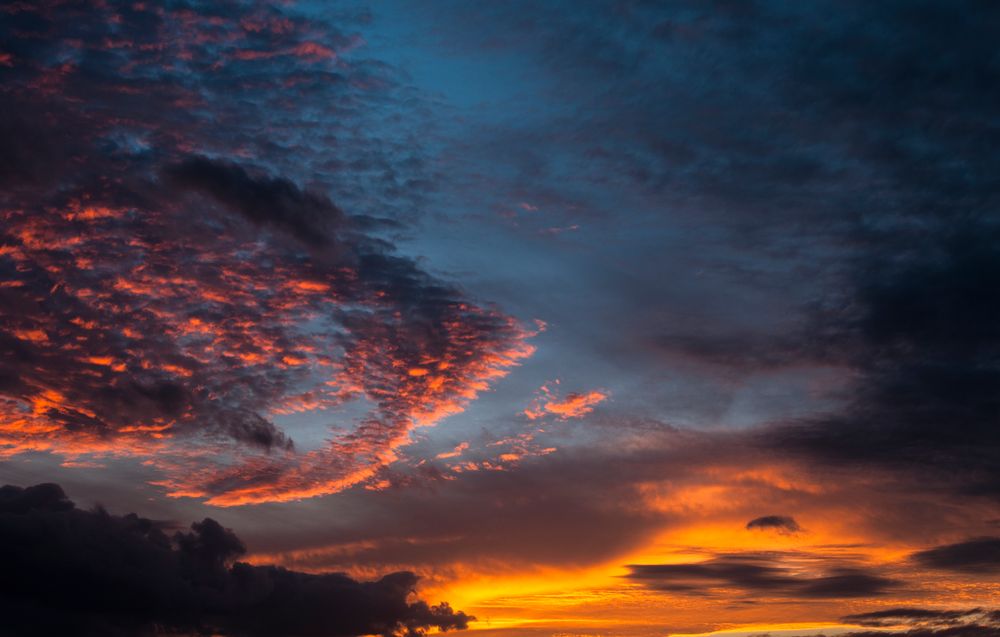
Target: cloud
[[915, 617], [780, 523], [530, 513], [176, 279], [572, 405], [157, 310], [845, 216], [903, 302], [920, 622], [964, 630], [761, 575], [976, 556], [265, 201], [928, 374], [70, 571]]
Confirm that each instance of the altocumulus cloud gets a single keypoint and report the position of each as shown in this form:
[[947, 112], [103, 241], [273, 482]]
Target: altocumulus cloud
[[173, 280]]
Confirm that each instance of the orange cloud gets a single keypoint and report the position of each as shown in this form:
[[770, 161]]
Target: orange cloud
[[210, 332], [454, 453], [572, 405]]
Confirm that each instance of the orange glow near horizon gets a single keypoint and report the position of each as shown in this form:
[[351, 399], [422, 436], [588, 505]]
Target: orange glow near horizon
[[708, 522]]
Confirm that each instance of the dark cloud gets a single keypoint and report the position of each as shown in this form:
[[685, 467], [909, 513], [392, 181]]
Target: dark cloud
[[847, 582], [780, 523], [914, 616], [979, 555], [759, 575], [70, 571], [965, 630], [276, 202], [983, 625], [920, 328], [839, 195], [912, 314]]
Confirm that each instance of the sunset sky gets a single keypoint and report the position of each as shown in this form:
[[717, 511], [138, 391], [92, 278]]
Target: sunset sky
[[522, 319]]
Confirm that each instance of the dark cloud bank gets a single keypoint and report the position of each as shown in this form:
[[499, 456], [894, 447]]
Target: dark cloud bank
[[924, 622], [759, 575], [851, 145], [890, 114], [977, 556], [921, 616], [68, 571]]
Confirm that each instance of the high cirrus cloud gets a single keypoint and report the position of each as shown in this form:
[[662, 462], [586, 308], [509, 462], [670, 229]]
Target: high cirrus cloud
[[71, 571], [166, 289]]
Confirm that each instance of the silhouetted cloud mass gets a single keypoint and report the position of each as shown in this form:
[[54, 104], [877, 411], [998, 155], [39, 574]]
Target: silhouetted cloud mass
[[73, 572]]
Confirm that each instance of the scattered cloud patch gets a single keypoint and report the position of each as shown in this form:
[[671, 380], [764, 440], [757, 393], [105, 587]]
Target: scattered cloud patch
[[173, 280], [550, 402], [780, 523]]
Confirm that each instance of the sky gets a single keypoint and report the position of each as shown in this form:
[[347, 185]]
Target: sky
[[520, 319]]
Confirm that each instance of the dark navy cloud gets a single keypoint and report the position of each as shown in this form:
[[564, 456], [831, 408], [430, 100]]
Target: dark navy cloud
[[866, 134], [805, 186], [921, 330]]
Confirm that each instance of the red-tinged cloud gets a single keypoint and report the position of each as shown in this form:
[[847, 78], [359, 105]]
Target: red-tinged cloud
[[165, 290], [572, 405], [454, 453]]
